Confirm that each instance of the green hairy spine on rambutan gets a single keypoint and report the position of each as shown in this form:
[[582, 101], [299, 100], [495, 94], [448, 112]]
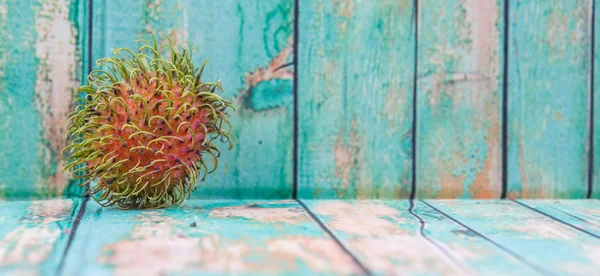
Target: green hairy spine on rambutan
[[143, 131]]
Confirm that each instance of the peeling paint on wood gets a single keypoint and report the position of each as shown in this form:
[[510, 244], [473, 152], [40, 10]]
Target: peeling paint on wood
[[217, 237], [548, 94], [57, 77], [39, 66], [247, 52], [386, 238], [552, 246], [584, 214], [33, 235], [459, 99], [355, 98]]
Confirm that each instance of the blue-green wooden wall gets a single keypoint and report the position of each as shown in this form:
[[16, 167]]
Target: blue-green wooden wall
[[41, 55], [447, 99]]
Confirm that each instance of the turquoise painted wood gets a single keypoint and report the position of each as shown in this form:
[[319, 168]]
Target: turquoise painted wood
[[548, 98], [40, 65], [595, 193], [388, 240], [34, 234], [459, 99], [355, 77], [247, 50], [553, 247], [212, 237], [583, 214]]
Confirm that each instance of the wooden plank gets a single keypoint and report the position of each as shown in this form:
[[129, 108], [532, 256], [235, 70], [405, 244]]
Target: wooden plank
[[355, 98], [595, 183], [34, 234], [388, 240], [583, 214], [551, 245], [216, 237], [40, 65], [459, 99], [252, 41], [548, 98]]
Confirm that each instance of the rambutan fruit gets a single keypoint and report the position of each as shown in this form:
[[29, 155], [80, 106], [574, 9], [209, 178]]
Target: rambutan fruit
[[143, 130]]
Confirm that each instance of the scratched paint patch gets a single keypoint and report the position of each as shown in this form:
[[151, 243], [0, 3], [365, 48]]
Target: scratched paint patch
[[383, 237], [153, 248], [284, 212], [37, 238], [402, 254], [551, 245], [57, 77], [459, 153], [270, 87], [376, 219], [225, 238]]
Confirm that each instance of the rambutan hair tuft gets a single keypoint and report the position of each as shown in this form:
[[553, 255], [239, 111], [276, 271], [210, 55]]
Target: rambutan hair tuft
[[143, 130]]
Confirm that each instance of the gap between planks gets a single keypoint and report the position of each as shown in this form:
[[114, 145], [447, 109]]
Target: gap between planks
[[555, 218], [537, 268], [72, 232], [365, 270]]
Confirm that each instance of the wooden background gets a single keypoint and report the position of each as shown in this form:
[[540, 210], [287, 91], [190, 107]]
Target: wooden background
[[337, 99]]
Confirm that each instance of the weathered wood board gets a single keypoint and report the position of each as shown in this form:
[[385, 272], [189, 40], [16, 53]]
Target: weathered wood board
[[553, 247], [548, 98], [40, 65], [214, 237], [583, 214], [248, 51], [595, 192], [34, 234], [459, 99], [389, 240], [355, 75]]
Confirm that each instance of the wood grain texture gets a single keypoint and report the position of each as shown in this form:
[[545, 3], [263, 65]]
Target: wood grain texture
[[34, 234], [553, 247], [584, 214], [388, 240], [595, 183], [40, 65], [355, 77], [548, 98], [210, 237], [252, 41], [459, 99]]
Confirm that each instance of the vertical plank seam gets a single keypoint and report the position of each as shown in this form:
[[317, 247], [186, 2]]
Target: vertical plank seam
[[72, 233], [364, 269], [413, 188], [505, 103], [591, 101], [508, 251], [89, 20], [295, 105], [90, 17], [555, 218], [445, 252]]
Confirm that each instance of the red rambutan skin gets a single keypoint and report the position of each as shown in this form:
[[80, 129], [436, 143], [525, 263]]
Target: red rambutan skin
[[141, 132], [184, 134]]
